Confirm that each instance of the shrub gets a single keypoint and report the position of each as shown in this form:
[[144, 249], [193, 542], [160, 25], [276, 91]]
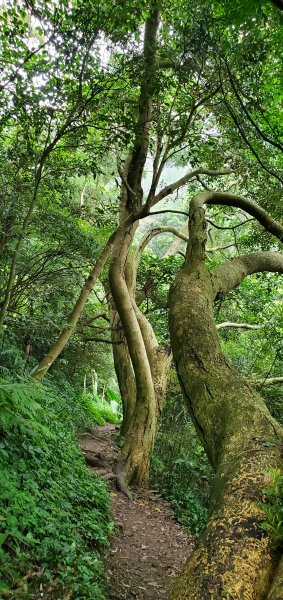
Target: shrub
[[97, 410], [180, 470]]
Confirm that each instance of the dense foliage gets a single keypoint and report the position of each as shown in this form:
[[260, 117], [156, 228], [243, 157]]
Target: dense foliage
[[180, 469], [72, 78], [55, 520], [273, 507]]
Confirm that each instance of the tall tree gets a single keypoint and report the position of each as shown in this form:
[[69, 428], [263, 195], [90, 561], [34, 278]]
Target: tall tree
[[241, 439], [185, 97]]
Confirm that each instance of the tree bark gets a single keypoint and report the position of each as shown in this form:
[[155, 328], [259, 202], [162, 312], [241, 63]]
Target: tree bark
[[150, 365], [234, 558], [160, 359], [136, 451], [123, 367]]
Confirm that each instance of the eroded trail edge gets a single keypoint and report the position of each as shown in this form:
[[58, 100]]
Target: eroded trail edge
[[149, 547]]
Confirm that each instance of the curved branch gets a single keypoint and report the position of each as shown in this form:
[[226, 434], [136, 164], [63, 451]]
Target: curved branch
[[232, 272], [231, 227], [248, 115], [249, 206], [162, 212], [242, 133]]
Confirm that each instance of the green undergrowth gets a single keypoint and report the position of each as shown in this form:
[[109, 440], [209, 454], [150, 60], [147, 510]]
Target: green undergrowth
[[96, 410], [273, 507], [54, 513], [180, 470]]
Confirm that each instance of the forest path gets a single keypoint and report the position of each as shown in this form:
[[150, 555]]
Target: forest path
[[149, 547]]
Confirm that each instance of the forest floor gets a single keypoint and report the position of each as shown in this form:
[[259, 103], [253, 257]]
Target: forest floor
[[149, 547]]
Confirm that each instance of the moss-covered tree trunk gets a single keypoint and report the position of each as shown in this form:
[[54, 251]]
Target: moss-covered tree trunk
[[234, 557]]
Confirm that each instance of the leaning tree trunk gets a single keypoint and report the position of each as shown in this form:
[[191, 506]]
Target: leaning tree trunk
[[234, 558], [47, 361]]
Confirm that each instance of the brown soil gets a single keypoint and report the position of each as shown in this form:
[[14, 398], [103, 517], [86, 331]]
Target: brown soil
[[149, 548]]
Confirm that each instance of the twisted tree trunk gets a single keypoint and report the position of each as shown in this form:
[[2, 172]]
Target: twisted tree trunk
[[143, 357], [136, 451], [234, 557]]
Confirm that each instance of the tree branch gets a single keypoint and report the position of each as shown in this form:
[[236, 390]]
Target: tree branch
[[249, 117], [151, 234], [233, 271], [231, 227], [169, 189], [242, 133], [101, 340], [162, 212], [270, 381], [249, 206], [219, 248]]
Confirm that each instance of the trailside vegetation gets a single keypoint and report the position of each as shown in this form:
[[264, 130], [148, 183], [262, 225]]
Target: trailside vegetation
[[122, 125], [55, 522]]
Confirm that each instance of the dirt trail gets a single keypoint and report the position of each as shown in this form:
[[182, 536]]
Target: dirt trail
[[149, 548]]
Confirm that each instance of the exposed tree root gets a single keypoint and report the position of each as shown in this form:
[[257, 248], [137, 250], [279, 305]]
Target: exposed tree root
[[108, 471]]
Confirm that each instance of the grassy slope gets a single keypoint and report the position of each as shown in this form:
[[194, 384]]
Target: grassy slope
[[54, 514]]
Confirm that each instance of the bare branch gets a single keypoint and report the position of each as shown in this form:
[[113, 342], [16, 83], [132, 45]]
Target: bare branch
[[175, 245], [162, 212], [228, 324], [232, 227], [101, 340], [219, 248], [169, 189], [203, 184], [151, 234]]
